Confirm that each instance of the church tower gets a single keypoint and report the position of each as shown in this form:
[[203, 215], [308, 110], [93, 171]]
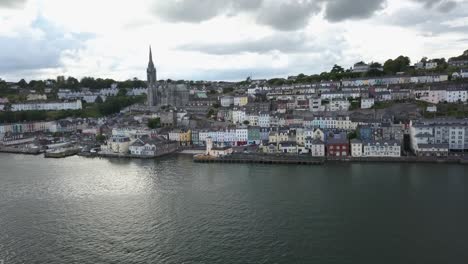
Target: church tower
[[151, 77]]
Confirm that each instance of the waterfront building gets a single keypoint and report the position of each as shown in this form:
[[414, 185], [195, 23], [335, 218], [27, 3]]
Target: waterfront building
[[117, 144], [242, 136], [356, 148], [213, 151], [253, 135], [152, 146], [381, 149], [440, 131], [338, 146], [317, 148], [181, 136], [432, 150], [288, 147]]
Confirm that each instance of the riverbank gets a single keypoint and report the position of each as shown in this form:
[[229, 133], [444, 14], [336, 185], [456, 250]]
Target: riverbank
[[199, 157], [24, 151], [306, 160]]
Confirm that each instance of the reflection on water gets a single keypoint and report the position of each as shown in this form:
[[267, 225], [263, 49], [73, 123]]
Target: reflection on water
[[79, 210]]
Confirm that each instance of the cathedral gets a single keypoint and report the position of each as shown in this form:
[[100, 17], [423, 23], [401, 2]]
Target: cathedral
[[165, 94]]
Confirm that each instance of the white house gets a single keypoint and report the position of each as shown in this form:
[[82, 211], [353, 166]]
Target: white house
[[227, 101], [117, 144], [216, 152], [356, 148], [367, 103], [317, 148], [381, 149], [338, 105], [464, 73], [264, 119], [431, 65]]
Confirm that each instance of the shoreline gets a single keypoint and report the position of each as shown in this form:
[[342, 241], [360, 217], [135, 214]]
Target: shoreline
[[268, 159]]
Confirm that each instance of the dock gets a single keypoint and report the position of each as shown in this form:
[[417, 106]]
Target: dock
[[62, 153], [260, 159], [308, 160]]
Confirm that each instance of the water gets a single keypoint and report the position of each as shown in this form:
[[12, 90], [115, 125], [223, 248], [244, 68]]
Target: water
[[80, 210]]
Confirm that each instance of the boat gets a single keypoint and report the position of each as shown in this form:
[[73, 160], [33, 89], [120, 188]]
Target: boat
[[62, 152]]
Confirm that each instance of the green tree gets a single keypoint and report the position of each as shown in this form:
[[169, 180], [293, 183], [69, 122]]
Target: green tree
[[99, 100], [337, 69], [122, 92], [154, 123], [22, 83], [246, 122], [100, 138], [400, 64]]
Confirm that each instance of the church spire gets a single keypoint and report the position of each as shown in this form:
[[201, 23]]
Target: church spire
[[150, 63]]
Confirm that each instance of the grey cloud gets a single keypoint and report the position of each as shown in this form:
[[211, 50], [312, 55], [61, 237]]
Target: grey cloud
[[287, 16], [440, 5], [283, 15], [27, 53], [338, 10], [432, 22], [194, 11], [447, 6], [12, 3]]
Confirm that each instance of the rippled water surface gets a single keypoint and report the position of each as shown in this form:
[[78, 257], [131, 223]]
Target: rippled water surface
[[80, 210]]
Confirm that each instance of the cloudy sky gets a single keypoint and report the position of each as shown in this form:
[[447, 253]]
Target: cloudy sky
[[220, 39]]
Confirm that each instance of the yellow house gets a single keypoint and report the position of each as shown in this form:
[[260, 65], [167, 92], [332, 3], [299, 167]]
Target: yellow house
[[241, 100], [185, 137]]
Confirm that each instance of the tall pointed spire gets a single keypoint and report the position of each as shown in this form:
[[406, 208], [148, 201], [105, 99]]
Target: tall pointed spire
[[150, 63]]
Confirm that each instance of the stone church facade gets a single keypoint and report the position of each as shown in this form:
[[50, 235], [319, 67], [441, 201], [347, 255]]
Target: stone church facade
[[165, 94]]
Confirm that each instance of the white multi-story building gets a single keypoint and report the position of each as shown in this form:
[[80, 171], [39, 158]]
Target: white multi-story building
[[227, 101], [453, 132], [315, 105], [381, 149], [338, 105], [317, 148], [367, 103], [238, 116], [242, 135], [356, 148], [253, 119], [456, 95], [264, 119]]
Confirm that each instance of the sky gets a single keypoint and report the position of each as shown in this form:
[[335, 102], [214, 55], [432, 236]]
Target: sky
[[220, 39]]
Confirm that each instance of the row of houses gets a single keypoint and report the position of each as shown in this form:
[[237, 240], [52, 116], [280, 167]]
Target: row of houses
[[266, 119], [439, 95], [399, 79], [91, 97], [44, 106]]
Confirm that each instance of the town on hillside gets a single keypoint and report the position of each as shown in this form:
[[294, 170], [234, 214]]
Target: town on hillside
[[372, 110]]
